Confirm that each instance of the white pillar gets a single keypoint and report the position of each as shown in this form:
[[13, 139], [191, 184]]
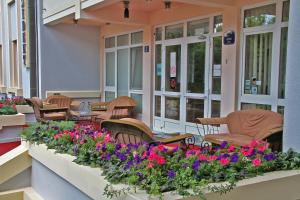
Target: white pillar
[[291, 135]]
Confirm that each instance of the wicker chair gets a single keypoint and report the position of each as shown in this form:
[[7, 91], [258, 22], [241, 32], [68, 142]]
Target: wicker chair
[[245, 126], [118, 108], [43, 114], [133, 131], [59, 100]]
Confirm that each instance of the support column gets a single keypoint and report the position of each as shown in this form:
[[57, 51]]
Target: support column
[[291, 135]]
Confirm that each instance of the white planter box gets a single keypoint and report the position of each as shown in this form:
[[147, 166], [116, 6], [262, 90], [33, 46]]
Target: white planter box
[[271, 186], [25, 109]]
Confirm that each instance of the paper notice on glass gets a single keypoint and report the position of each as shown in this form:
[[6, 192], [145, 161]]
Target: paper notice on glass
[[217, 72], [173, 65]]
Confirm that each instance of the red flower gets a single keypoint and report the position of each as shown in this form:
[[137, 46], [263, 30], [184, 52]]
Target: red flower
[[213, 157], [253, 143], [150, 165], [224, 161], [160, 147], [247, 152], [262, 148], [202, 157], [256, 162], [1, 105], [231, 148], [161, 160]]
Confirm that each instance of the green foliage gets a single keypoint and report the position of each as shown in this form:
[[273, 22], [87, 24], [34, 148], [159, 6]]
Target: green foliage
[[7, 110]]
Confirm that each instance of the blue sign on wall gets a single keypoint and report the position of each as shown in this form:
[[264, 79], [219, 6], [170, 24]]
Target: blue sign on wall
[[229, 37]]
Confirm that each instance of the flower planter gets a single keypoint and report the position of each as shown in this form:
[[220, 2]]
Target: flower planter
[[10, 129], [28, 111], [276, 185]]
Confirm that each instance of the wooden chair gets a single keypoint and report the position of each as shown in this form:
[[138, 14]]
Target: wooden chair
[[245, 126], [43, 114], [133, 131], [59, 100], [118, 108]]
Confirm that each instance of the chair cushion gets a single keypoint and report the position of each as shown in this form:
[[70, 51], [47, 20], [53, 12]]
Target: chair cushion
[[55, 116], [235, 139]]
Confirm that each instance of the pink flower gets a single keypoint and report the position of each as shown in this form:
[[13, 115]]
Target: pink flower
[[202, 157], [256, 162], [262, 147], [106, 138], [213, 157], [144, 155], [224, 161], [160, 147], [253, 143], [247, 152], [161, 160], [1, 105], [231, 148], [150, 165]]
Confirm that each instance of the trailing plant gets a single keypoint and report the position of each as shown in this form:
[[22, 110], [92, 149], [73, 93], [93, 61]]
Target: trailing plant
[[159, 169]]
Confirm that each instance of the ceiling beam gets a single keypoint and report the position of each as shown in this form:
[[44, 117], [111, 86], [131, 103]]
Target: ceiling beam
[[209, 3]]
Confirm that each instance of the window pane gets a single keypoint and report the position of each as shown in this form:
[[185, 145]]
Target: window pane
[[109, 96], [1, 68], [139, 100], [260, 16], [194, 109], [174, 31], [218, 23], [217, 69], [248, 106], [282, 64], [110, 42], [157, 106], [196, 68], [137, 38], [258, 64], [198, 27], [136, 68], [173, 57], [158, 34], [123, 40], [215, 108], [110, 69], [285, 11], [172, 108], [158, 67], [122, 89], [280, 110]]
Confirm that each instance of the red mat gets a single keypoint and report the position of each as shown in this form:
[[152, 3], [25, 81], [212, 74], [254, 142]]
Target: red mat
[[6, 147]]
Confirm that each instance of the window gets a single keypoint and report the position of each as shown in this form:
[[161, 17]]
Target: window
[[198, 27], [285, 11], [260, 16], [174, 31], [217, 65], [158, 34], [1, 68], [124, 67], [14, 65], [282, 62], [158, 66], [248, 106], [218, 23]]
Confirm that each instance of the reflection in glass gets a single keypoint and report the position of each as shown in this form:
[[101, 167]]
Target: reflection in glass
[[136, 68], [157, 106], [282, 62], [258, 64], [248, 106], [196, 68], [110, 69], [122, 86], [215, 108], [139, 101], [172, 108], [174, 31], [110, 42], [109, 96], [280, 110], [158, 67], [285, 11], [260, 16], [123, 40], [198, 27], [158, 34], [137, 37], [194, 109], [218, 23], [217, 62], [175, 50]]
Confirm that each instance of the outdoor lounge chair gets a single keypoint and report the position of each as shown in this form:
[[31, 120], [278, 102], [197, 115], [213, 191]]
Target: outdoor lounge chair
[[44, 112], [245, 126], [133, 131], [120, 107]]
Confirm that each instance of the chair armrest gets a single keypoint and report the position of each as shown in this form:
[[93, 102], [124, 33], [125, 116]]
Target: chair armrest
[[176, 138], [212, 121], [264, 134]]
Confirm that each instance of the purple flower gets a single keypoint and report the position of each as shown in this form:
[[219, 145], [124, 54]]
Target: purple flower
[[224, 144], [171, 174], [137, 159], [270, 157], [103, 148], [225, 155], [128, 165], [234, 158], [121, 156], [75, 149], [107, 157], [140, 175], [196, 165], [118, 146]]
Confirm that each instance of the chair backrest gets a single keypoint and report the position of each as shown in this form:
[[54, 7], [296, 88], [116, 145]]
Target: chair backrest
[[36, 103], [121, 106], [60, 100], [253, 122], [128, 131]]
